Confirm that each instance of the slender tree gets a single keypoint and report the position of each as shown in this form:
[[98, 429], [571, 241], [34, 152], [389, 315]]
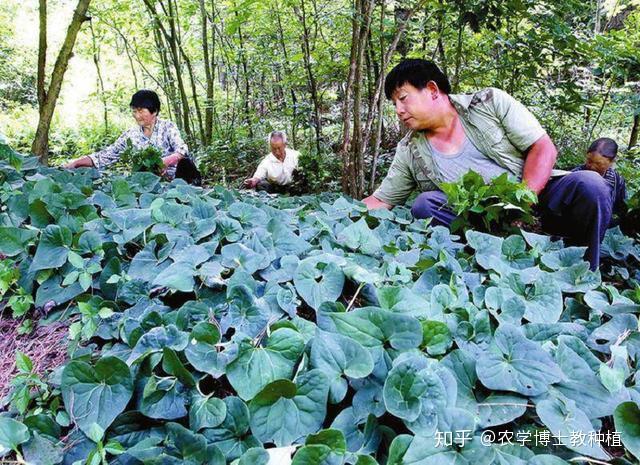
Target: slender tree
[[48, 96]]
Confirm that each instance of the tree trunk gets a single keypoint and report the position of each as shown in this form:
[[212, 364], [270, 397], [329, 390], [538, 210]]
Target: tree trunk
[[346, 101], [245, 72], [456, 74], [597, 26], [40, 146], [209, 77], [42, 54], [377, 100], [175, 60], [96, 62], [294, 99], [353, 175], [313, 85], [175, 31], [635, 129], [169, 82]]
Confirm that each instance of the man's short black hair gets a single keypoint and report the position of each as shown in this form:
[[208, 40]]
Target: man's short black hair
[[416, 72], [605, 147], [146, 99]]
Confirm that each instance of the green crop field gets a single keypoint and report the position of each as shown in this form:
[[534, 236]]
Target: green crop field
[[206, 326]]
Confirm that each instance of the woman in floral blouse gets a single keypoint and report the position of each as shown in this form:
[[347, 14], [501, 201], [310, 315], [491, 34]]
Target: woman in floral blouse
[[150, 130]]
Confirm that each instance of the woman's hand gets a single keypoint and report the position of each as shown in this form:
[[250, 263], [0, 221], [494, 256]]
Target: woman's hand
[[81, 162], [171, 160]]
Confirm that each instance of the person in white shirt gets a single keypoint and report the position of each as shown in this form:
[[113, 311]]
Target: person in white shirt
[[276, 169]]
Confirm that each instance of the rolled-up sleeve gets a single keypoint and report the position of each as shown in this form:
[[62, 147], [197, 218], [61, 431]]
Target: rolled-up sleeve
[[261, 170], [521, 126], [176, 144], [399, 182], [110, 154]]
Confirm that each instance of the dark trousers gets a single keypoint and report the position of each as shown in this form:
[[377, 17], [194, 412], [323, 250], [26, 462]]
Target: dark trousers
[[271, 187], [577, 206]]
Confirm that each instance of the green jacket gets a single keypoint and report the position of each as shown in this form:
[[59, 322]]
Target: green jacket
[[496, 123]]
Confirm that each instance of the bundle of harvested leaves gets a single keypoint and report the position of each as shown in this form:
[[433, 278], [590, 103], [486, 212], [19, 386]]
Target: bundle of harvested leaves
[[492, 207], [146, 159]]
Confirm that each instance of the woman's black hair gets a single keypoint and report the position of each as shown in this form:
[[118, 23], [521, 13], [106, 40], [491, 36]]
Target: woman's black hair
[[605, 147], [416, 72], [146, 99]]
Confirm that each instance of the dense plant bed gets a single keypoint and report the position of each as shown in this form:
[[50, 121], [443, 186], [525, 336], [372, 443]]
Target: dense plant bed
[[206, 327]]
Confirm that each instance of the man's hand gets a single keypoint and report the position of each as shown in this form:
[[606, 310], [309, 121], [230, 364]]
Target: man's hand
[[538, 165], [373, 203], [251, 183]]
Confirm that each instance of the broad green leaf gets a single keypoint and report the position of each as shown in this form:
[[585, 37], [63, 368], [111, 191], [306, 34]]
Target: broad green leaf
[[338, 356], [229, 229], [318, 280], [12, 434], [627, 421], [172, 365], [577, 278], [232, 437], [499, 409], [300, 408], [202, 353], [317, 454], [374, 327], [413, 390], [14, 241], [177, 277], [240, 256], [42, 451], [255, 367], [546, 460], [163, 399], [542, 300], [247, 314], [206, 412], [130, 223], [156, 340], [513, 363], [436, 337], [563, 258], [324, 448], [359, 237], [427, 451], [254, 456], [53, 248], [193, 447], [96, 394], [564, 417]]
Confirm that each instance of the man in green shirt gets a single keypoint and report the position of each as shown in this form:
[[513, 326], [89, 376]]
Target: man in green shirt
[[490, 132]]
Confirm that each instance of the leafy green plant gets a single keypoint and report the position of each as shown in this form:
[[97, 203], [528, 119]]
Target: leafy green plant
[[29, 388], [492, 207], [19, 300], [146, 159], [92, 312], [630, 223], [208, 315]]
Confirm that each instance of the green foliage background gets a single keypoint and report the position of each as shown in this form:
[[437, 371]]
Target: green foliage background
[[574, 64]]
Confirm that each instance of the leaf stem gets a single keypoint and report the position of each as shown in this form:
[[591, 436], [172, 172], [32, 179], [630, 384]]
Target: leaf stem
[[353, 299], [588, 459]]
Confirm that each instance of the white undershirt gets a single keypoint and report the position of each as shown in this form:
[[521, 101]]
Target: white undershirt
[[276, 171]]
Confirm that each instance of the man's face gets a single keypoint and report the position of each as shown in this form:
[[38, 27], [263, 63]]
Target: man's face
[[598, 163], [278, 148], [414, 107]]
